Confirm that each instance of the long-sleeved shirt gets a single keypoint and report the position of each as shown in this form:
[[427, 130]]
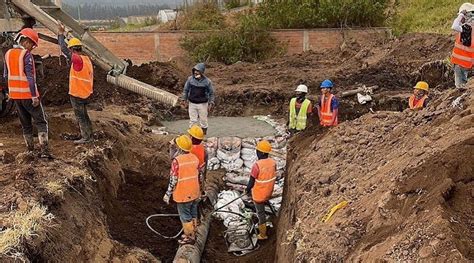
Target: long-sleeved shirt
[[72, 57], [206, 96], [29, 63], [457, 24]]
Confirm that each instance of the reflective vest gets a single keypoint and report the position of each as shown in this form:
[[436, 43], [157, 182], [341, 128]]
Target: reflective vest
[[264, 183], [18, 86], [200, 153], [298, 122], [419, 104], [326, 113], [462, 55], [81, 82], [187, 188]]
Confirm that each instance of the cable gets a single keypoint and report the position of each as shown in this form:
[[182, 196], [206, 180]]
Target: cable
[[158, 233]]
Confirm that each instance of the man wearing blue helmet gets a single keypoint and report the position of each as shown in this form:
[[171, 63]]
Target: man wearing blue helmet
[[328, 105]]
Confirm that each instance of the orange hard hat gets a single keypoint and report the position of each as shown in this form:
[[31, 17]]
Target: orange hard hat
[[31, 34], [264, 146]]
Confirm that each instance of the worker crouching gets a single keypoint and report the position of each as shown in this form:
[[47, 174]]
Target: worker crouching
[[419, 99], [184, 186], [300, 108], [261, 184]]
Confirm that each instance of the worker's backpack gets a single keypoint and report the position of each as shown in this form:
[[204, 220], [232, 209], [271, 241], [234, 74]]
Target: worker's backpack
[[466, 35]]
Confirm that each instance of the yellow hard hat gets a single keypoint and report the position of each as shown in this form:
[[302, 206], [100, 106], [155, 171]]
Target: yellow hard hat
[[184, 143], [421, 85], [196, 132], [264, 146], [74, 42]]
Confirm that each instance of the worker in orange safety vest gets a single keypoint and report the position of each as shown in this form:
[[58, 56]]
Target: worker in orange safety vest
[[81, 80], [328, 106], [419, 99], [261, 184], [463, 52], [184, 187], [20, 75]]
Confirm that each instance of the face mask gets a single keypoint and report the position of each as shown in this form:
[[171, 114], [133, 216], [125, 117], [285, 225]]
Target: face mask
[[197, 76]]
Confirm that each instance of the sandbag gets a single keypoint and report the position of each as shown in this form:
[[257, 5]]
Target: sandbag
[[230, 143], [235, 165], [281, 163], [237, 187], [249, 143], [228, 156], [237, 179], [249, 164]]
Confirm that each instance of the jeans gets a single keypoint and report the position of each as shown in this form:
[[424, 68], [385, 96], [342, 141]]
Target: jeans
[[198, 114], [187, 211], [80, 110], [262, 217], [460, 76], [30, 115]]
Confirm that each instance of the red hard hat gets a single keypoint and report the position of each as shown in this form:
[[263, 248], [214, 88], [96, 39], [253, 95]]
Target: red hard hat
[[31, 34]]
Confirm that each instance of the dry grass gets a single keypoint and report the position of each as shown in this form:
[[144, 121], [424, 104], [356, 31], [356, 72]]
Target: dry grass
[[22, 226], [55, 188]]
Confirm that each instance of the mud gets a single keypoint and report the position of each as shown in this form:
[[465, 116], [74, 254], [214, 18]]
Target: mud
[[405, 174]]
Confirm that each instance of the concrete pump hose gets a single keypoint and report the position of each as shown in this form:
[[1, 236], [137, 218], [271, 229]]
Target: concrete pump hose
[[144, 89]]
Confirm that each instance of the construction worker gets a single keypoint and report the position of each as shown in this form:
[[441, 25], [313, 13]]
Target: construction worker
[[419, 99], [184, 186], [20, 75], [463, 51], [328, 106], [261, 183], [198, 97], [198, 149], [81, 80], [300, 108]]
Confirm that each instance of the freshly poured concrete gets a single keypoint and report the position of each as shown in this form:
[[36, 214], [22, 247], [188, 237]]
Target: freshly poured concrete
[[226, 126]]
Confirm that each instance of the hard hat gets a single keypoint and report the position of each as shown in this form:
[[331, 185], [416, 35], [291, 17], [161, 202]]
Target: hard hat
[[184, 143], [264, 146], [196, 132], [421, 85], [326, 84], [468, 7], [302, 88], [31, 34], [74, 42]]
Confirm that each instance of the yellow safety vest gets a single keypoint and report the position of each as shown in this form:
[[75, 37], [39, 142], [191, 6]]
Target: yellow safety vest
[[298, 122]]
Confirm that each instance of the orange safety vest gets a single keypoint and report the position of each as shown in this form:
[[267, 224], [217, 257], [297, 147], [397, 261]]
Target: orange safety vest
[[462, 55], [263, 187], [187, 189], [326, 113], [18, 86], [81, 82], [419, 104], [200, 153]]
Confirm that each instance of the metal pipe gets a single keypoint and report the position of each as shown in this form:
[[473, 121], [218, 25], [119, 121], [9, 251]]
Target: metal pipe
[[144, 89]]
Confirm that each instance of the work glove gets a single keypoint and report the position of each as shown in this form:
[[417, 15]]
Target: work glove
[[36, 102], [166, 199]]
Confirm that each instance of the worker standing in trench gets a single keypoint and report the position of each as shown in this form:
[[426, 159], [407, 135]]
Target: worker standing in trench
[[198, 97], [328, 107], [198, 149], [20, 75], [184, 186], [463, 52], [261, 184], [81, 81], [300, 109], [419, 99]]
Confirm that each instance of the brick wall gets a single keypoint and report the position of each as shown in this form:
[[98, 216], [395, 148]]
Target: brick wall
[[162, 46]]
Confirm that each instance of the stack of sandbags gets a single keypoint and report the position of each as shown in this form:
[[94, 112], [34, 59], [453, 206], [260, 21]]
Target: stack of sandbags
[[280, 128], [211, 145], [236, 181], [248, 154], [228, 153], [224, 198]]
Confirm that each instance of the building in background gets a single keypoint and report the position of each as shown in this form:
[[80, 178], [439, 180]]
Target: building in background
[[166, 15]]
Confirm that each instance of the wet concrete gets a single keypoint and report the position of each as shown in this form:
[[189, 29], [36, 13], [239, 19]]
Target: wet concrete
[[227, 126]]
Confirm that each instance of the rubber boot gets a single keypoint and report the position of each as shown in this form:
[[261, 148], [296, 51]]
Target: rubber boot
[[204, 130], [86, 134], [44, 145], [189, 235], [196, 223], [262, 232], [30, 145]]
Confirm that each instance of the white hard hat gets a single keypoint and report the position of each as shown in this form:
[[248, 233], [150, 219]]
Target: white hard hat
[[302, 88], [468, 7]]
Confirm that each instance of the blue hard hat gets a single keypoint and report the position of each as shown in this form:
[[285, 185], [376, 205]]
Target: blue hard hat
[[326, 84]]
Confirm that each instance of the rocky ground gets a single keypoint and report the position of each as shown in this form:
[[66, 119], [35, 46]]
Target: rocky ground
[[407, 176]]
